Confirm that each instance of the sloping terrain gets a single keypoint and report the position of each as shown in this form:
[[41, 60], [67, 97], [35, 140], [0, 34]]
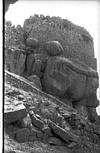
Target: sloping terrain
[[70, 132]]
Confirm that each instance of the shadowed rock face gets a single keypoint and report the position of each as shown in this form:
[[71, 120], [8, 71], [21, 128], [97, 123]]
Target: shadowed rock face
[[59, 53], [7, 3], [70, 79]]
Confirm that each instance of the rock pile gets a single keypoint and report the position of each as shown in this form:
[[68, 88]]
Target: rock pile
[[44, 120]]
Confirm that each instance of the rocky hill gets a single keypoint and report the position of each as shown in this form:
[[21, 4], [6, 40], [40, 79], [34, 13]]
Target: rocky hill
[[50, 88]]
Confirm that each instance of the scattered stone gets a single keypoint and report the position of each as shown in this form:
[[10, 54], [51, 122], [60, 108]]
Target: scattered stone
[[26, 121], [59, 119], [54, 141], [37, 122], [47, 130], [66, 135], [82, 110], [33, 130], [31, 112], [66, 113], [72, 145], [96, 129], [32, 42], [14, 111], [53, 48], [20, 97], [22, 135], [38, 116]]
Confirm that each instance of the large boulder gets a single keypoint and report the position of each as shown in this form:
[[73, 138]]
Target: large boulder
[[66, 78], [32, 42], [15, 60], [14, 110], [53, 48], [66, 134]]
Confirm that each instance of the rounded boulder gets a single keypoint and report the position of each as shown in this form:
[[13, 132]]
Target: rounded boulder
[[32, 42], [53, 48]]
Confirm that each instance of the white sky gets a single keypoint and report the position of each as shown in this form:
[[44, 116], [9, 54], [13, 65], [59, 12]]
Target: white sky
[[82, 13]]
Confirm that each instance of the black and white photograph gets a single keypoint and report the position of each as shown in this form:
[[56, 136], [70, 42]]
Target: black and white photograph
[[51, 71]]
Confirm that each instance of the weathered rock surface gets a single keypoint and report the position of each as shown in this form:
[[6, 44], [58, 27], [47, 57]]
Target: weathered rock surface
[[47, 130], [37, 122], [26, 121], [90, 101], [14, 110], [32, 42], [53, 48], [92, 114], [82, 110], [92, 85], [15, 60], [30, 61], [35, 80], [54, 141], [22, 135], [63, 133], [64, 78]]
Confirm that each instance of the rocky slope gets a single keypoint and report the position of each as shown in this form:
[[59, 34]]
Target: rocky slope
[[38, 122], [50, 88]]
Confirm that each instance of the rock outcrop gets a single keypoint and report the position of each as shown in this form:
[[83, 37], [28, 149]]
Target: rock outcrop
[[53, 48], [76, 41], [51, 84]]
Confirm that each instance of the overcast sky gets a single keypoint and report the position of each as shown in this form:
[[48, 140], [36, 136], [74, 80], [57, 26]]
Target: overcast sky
[[82, 13]]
